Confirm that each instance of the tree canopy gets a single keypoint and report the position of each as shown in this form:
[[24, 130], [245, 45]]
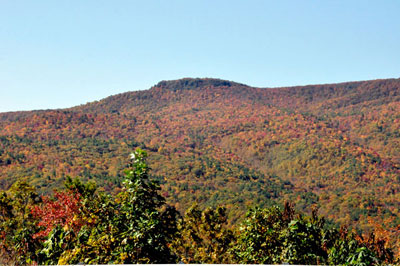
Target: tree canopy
[[83, 224]]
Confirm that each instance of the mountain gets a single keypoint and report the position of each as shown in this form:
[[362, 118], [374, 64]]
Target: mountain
[[332, 146]]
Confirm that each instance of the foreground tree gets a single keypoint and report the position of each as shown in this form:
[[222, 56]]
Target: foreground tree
[[260, 238], [204, 237], [18, 225], [136, 227], [273, 236], [143, 228]]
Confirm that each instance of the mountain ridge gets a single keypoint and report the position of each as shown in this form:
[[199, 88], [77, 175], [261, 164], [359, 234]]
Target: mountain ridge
[[185, 83]]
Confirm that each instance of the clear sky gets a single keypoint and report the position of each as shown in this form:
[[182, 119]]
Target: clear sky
[[62, 53]]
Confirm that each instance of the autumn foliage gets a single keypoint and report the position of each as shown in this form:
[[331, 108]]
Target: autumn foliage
[[61, 211], [82, 225], [335, 147]]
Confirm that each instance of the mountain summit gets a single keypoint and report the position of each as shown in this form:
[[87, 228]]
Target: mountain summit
[[195, 83]]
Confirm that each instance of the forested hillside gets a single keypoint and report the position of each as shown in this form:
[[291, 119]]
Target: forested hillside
[[333, 146], [83, 225]]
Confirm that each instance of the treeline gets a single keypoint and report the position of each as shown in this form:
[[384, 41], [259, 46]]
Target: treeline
[[85, 224]]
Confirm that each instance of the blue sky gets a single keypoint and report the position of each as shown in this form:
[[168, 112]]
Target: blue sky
[[56, 54]]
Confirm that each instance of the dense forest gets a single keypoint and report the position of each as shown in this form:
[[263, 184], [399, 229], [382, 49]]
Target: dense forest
[[81, 224], [333, 147]]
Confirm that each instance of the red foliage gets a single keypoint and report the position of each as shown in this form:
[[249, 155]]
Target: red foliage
[[61, 211]]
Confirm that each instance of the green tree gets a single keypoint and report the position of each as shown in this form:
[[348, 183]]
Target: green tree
[[303, 241], [144, 230], [345, 248], [17, 225], [260, 235]]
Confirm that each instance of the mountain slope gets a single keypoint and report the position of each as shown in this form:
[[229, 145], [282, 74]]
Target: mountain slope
[[335, 146]]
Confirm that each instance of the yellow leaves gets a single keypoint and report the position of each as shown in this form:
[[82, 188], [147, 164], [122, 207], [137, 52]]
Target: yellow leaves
[[66, 227], [123, 256], [63, 261], [67, 256], [91, 241]]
